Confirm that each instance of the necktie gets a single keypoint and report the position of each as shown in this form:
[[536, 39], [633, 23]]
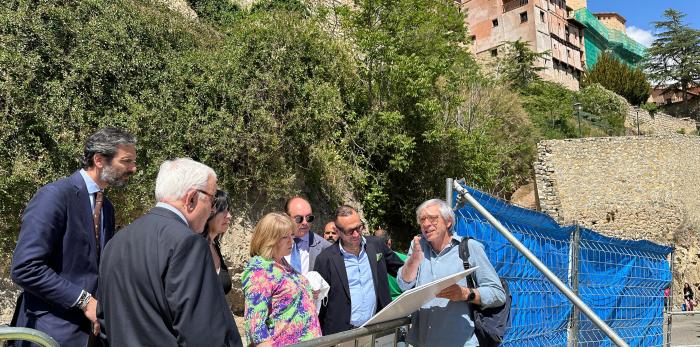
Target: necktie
[[296, 257], [96, 221]]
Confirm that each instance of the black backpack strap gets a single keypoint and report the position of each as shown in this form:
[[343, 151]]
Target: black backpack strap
[[464, 255]]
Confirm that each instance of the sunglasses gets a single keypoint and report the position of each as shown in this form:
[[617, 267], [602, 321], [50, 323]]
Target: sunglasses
[[309, 218], [359, 229]]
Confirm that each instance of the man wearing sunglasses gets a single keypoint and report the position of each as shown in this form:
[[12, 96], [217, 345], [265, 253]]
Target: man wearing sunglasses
[[307, 245], [356, 269]]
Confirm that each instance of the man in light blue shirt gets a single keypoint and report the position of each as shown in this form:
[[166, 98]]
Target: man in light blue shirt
[[356, 269], [363, 300], [446, 320]]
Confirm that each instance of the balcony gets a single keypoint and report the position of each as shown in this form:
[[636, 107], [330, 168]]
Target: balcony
[[513, 4]]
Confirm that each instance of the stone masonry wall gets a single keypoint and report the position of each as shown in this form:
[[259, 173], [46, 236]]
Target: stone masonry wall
[[659, 124], [635, 187]]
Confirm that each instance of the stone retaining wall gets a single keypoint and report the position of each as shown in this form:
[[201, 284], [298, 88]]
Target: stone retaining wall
[[634, 187], [659, 124]]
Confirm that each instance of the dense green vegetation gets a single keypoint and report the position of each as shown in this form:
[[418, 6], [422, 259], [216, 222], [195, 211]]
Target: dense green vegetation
[[379, 101], [614, 75]]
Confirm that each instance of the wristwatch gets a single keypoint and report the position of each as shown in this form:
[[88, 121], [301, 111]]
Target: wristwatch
[[471, 295]]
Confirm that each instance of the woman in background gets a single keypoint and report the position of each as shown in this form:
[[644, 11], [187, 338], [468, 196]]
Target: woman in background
[[217, 224], [688, 296], [279, 304]]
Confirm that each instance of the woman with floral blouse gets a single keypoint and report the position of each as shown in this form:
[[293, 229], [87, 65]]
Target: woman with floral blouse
[[279, 304]]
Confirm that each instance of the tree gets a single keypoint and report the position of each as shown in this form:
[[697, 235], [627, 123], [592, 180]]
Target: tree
[[618, 77], [418, 78], [674, 57], [518, 63]]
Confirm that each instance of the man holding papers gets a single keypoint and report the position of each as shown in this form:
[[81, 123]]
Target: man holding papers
[[446, 320]]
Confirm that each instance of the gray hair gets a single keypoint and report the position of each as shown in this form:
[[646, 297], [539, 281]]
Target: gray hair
[[445, 211], [106, 142], [176, 177]]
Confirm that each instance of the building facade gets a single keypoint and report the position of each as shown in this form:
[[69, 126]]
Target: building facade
[[546, 24], [606, 32]]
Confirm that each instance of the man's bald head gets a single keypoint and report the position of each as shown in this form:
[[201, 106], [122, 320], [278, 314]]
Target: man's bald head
[[300, 210]]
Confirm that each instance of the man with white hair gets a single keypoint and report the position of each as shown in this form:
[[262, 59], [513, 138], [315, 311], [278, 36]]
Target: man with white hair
[[157, 282], [446, 320]]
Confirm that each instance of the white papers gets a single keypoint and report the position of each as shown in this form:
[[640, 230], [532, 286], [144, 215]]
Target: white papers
[[318, 284], [412, 299]]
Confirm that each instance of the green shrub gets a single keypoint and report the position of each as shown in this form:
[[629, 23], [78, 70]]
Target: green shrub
[[551, 110], [607, 108], [650, 107]]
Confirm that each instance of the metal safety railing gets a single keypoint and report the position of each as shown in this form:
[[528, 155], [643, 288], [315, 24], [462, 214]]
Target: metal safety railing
[[380, 334], [26, 334]]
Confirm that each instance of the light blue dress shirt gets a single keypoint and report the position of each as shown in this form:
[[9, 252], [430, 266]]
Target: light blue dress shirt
[[441, 322], [363, 300]]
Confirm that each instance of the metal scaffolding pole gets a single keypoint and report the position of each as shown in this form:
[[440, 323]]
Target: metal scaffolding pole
[[541, 267], [575, 251]]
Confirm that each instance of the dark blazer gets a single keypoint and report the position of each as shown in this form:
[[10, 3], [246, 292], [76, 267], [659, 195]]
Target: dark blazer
[[335, 315], [55, 259], [158, 287]]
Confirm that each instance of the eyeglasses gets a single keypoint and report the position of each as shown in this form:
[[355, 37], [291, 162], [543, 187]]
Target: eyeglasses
[[432, 219], [309, 218], [211, 196], [359, 229]]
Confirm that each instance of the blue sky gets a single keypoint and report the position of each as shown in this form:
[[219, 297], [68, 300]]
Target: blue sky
[[641, 13]]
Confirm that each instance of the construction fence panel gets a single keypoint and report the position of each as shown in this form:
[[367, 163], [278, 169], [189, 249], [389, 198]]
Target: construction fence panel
[[539, 312], [622, 281]]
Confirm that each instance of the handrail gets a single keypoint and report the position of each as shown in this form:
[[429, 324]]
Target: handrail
[[682, 313], [27, 334], [334, 339]]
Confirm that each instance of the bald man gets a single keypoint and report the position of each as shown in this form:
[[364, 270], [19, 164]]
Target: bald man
[[307, 245], [330, 233]]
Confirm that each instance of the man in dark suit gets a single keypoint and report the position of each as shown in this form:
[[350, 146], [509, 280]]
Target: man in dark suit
[[158, 286], [307, 245], [64, 227], [356, 269]]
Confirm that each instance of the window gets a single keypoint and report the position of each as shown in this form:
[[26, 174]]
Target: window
[[523, 17], [494, 52], [472, 38], [494, 23], [542, 16], [566, 30]]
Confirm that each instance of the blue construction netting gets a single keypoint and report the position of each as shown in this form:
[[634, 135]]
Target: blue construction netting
[[622, 281]]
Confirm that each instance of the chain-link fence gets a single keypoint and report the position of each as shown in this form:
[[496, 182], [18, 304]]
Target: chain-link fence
[[621, 281]]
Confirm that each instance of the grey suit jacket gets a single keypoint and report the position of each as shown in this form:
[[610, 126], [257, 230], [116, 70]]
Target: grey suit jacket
[[316, 245]]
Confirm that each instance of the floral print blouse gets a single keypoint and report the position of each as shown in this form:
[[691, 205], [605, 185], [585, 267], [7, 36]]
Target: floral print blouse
[[279, 305]]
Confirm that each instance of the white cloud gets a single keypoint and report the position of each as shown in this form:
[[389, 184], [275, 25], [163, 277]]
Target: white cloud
[[640, 35]]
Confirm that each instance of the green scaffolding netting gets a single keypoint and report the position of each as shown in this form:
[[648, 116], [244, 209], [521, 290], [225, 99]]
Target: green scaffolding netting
[[599, 38]]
